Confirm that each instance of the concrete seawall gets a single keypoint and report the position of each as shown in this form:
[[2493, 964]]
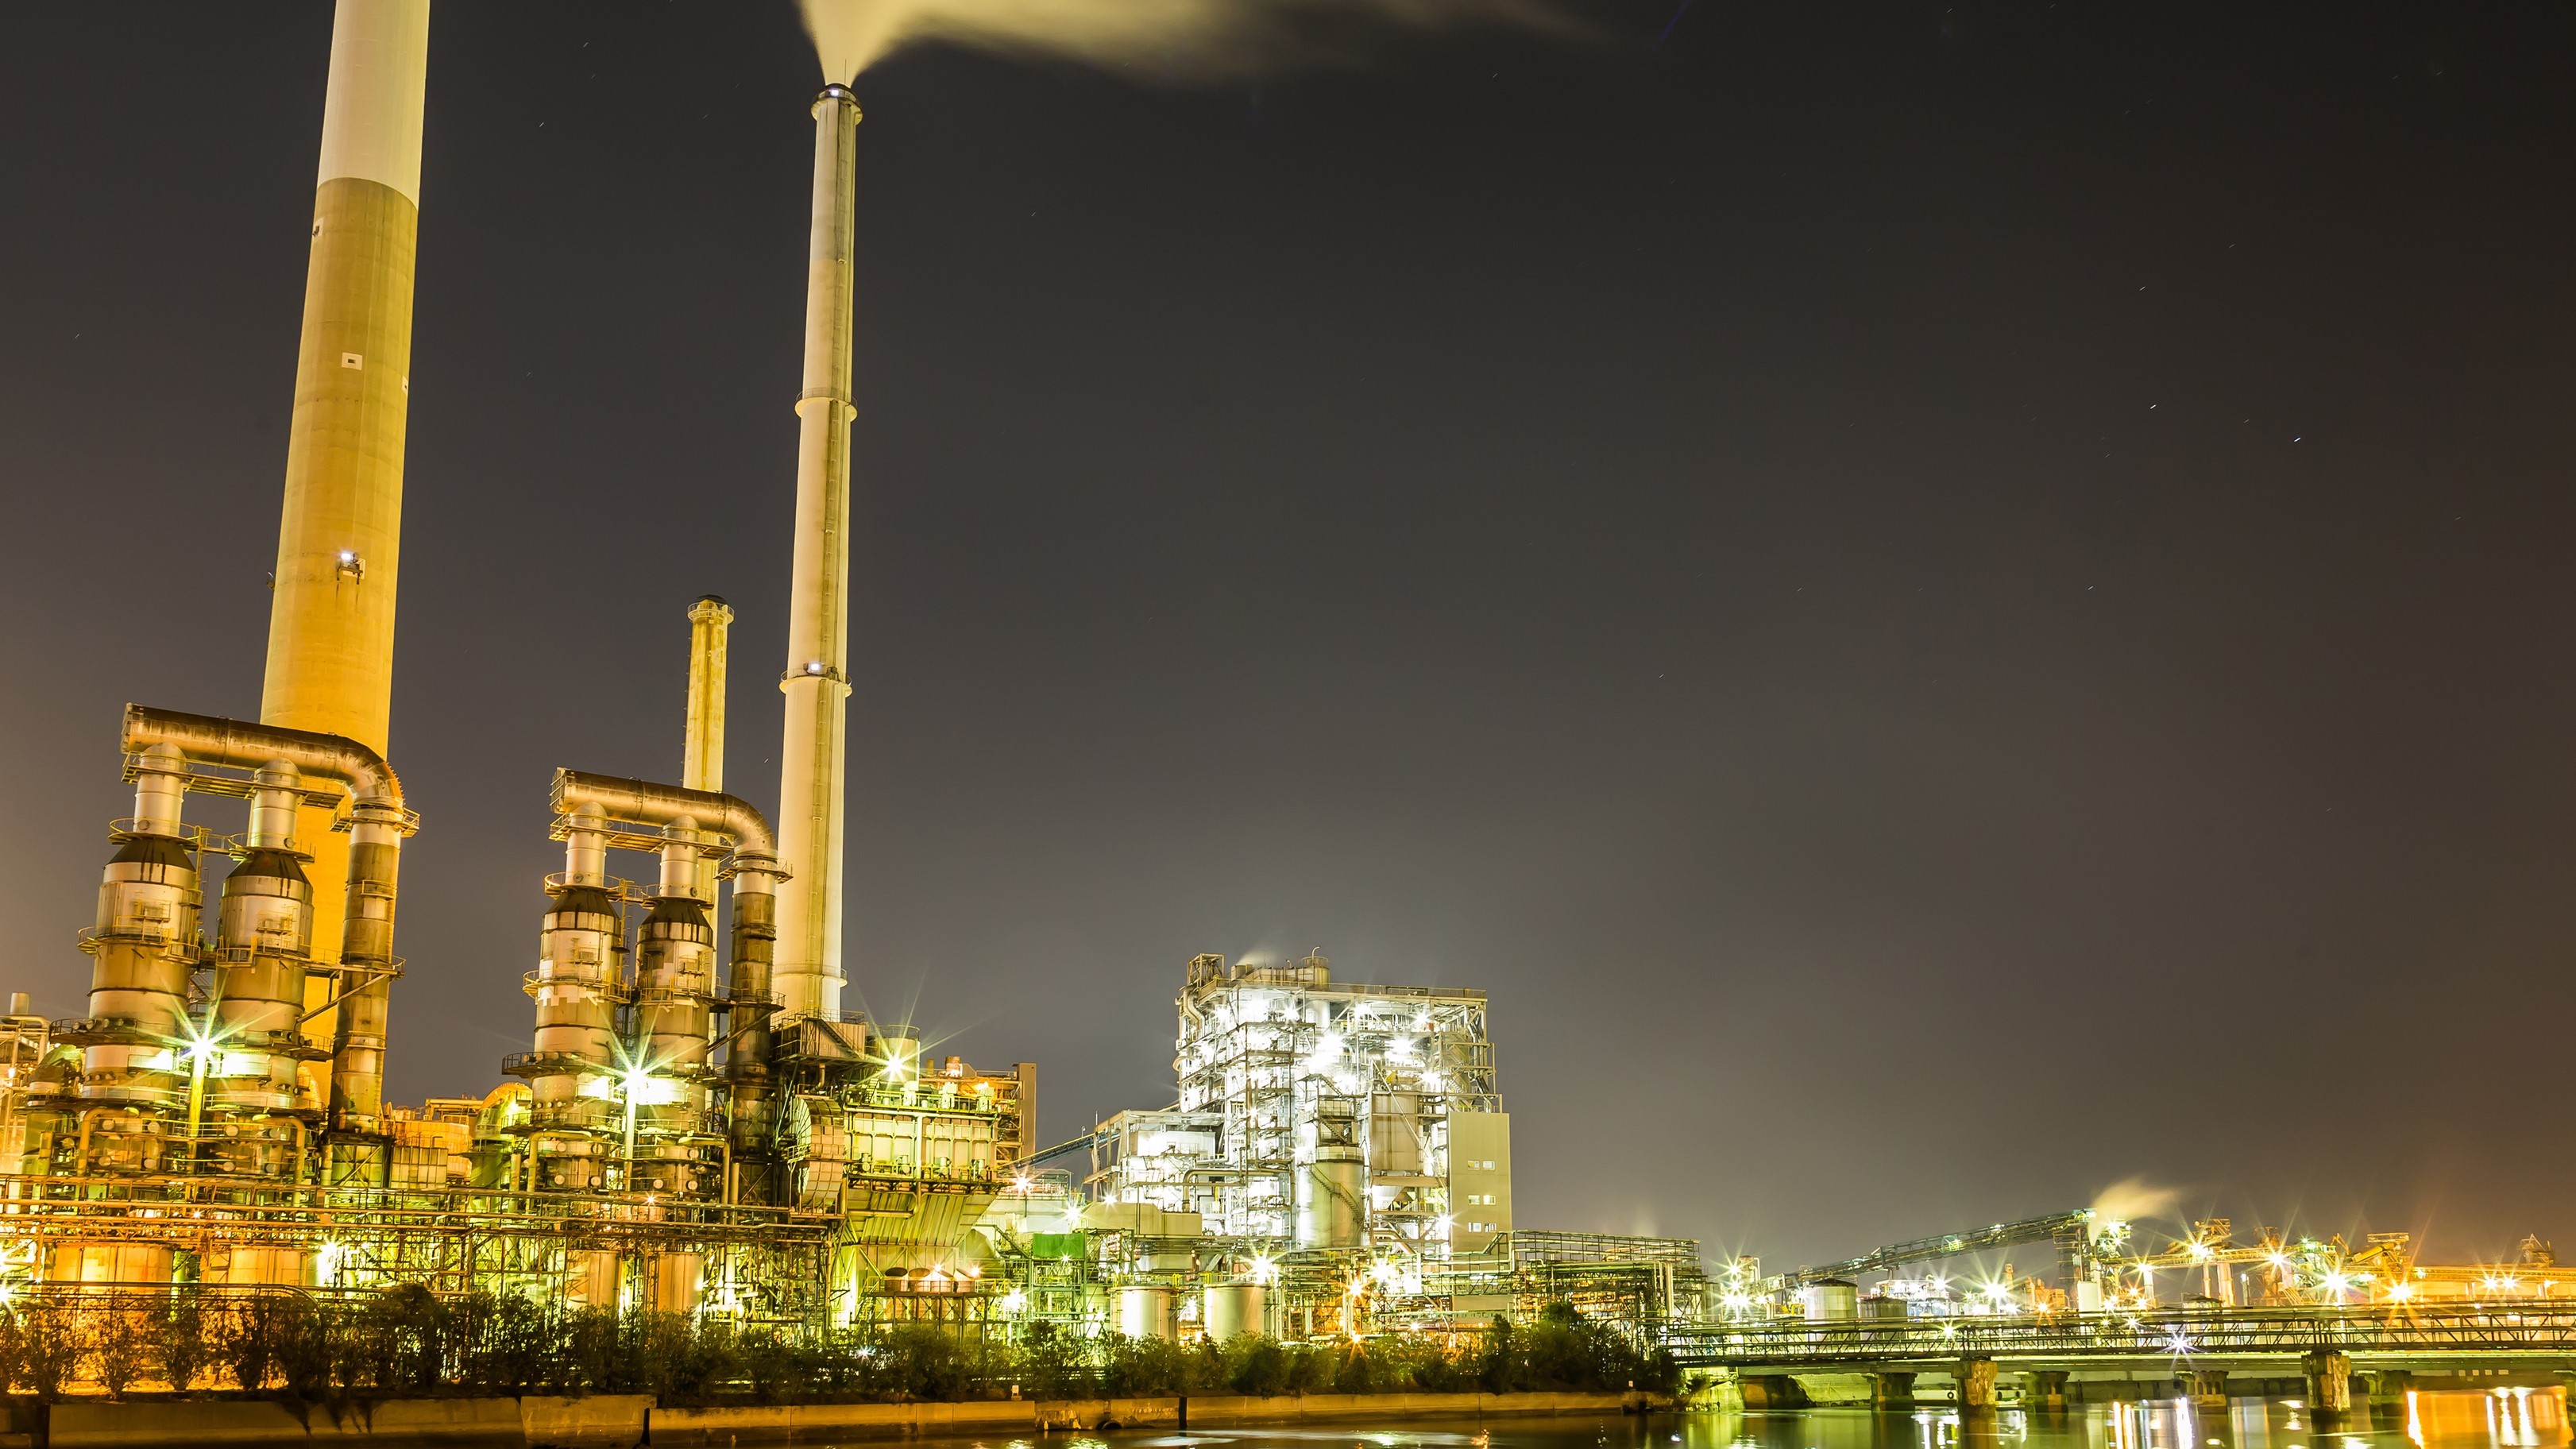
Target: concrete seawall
[[616, 1421]]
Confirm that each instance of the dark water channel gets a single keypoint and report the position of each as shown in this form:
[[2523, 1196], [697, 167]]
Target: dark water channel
[[2501, 1419]]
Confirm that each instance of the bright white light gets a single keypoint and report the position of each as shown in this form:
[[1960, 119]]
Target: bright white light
[[1014, 1301]]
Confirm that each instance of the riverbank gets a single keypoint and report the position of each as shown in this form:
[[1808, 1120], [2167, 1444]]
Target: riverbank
[[617, 1421]]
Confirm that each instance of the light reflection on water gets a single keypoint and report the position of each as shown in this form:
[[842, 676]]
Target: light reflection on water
[[2490, 1419]]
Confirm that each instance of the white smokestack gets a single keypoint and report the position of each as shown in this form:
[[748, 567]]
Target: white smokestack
[[810, 810]]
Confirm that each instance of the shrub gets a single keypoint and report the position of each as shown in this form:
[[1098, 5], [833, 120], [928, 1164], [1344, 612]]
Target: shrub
[[118, 1344], [50, 1351]]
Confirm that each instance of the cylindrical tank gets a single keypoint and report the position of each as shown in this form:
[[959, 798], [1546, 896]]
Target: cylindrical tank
[[1394, 1144], [576, 984], [244, 1266], [675, 983], [127, 1263], [1235, 1309], [366, 945], [144, 940], [751, 1098], [671, 1282], [1830, 1298], [1331, 1199], [1145, 1311], [590, 1279], [265, 932]]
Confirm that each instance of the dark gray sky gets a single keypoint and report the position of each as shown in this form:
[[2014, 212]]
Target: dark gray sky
[[1946, 603]]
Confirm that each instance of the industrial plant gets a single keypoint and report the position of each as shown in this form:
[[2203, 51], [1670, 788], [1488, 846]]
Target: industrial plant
[[697, 1126]]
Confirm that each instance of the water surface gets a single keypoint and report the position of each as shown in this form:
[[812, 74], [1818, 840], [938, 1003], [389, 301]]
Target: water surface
[[2497, 1419]]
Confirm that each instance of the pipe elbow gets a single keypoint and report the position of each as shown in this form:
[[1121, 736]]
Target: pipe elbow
[[643, 802], [211, 739]]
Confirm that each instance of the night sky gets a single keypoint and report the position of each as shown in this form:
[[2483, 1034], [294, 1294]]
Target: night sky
[[1946, 603]]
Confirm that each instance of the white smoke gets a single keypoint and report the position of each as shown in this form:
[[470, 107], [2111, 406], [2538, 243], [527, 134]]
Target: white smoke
[[2132, 1198], [1187, 38]]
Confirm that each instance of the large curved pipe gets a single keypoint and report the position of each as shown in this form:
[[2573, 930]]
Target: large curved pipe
[[377, 824], [750, 1095], [207, 739], [641, 802]]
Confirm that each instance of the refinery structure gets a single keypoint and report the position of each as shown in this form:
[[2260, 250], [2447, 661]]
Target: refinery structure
[[697, 1126]]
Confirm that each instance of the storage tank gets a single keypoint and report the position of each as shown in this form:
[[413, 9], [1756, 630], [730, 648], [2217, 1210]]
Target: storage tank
[[1235, 1309], [1332, 1199], [590, 1279], [1831, 1298], [1145, 1311], [1394, 1144], [671, 1282], [246, 1266], [124, 1263]]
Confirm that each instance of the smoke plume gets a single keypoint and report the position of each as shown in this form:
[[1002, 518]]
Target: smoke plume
[[2132, 1198], [1188, 39]]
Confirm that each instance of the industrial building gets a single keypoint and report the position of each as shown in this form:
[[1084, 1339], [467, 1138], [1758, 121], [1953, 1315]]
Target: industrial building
[[1337, 1160], [697, 1125]]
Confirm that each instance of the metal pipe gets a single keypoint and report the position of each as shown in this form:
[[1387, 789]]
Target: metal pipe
[[680, 859], [816, 682], [378, 822], [641, 802], [160, 790], [671, 1025], [211, 740], [751, 1096], [751, 1099], [339, 539], [586, 846], [273, 807], [368, 967]]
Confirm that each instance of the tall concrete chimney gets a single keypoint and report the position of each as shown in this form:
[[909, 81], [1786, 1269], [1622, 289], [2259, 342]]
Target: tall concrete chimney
[[339, 542], [817, 684]]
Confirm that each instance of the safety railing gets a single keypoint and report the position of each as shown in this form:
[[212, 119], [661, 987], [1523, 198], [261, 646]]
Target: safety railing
[[2536, 1327]]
